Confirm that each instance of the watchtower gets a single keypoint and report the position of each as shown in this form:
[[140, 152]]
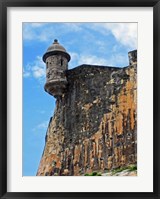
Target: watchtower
[[56, 59], [132, 57]]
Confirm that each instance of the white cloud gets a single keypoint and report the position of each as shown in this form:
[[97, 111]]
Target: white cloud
[[72, 27], [36, 69], [101, 46], [26, 74], [91, 59], [42, 125], [38, 72], [45, 32], [117, 60], [42, 112], [38, 25], [125, 33], [27, 33], [38, 31], [79, 59]]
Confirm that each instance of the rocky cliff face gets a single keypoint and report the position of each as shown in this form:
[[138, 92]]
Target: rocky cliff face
[[94, 125]]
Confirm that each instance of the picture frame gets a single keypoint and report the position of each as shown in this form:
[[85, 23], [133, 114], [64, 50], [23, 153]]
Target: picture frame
[[3, 99]]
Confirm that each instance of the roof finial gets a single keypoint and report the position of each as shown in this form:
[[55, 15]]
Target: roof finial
[[56, 41]]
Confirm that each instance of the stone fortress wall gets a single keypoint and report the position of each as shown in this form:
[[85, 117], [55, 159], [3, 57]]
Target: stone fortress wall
[[94, 126]]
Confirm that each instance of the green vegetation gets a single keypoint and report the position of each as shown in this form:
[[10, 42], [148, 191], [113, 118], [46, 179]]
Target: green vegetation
[[129, 168], [117, 170], [114, 171], [94, 173], [132, 168]]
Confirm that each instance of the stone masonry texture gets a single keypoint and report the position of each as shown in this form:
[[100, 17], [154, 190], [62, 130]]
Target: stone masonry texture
[[94, 126]]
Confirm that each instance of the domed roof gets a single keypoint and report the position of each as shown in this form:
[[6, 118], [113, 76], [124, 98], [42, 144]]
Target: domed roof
[[56, 48]]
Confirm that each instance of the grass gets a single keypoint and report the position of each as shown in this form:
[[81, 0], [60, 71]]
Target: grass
[[94, 173], [129, 168], [114, 171], [132, 168]]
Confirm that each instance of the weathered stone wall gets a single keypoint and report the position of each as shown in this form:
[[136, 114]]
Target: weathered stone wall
[[94, 125]]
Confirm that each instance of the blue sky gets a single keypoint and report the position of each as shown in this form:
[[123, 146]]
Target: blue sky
[[105, 44]]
